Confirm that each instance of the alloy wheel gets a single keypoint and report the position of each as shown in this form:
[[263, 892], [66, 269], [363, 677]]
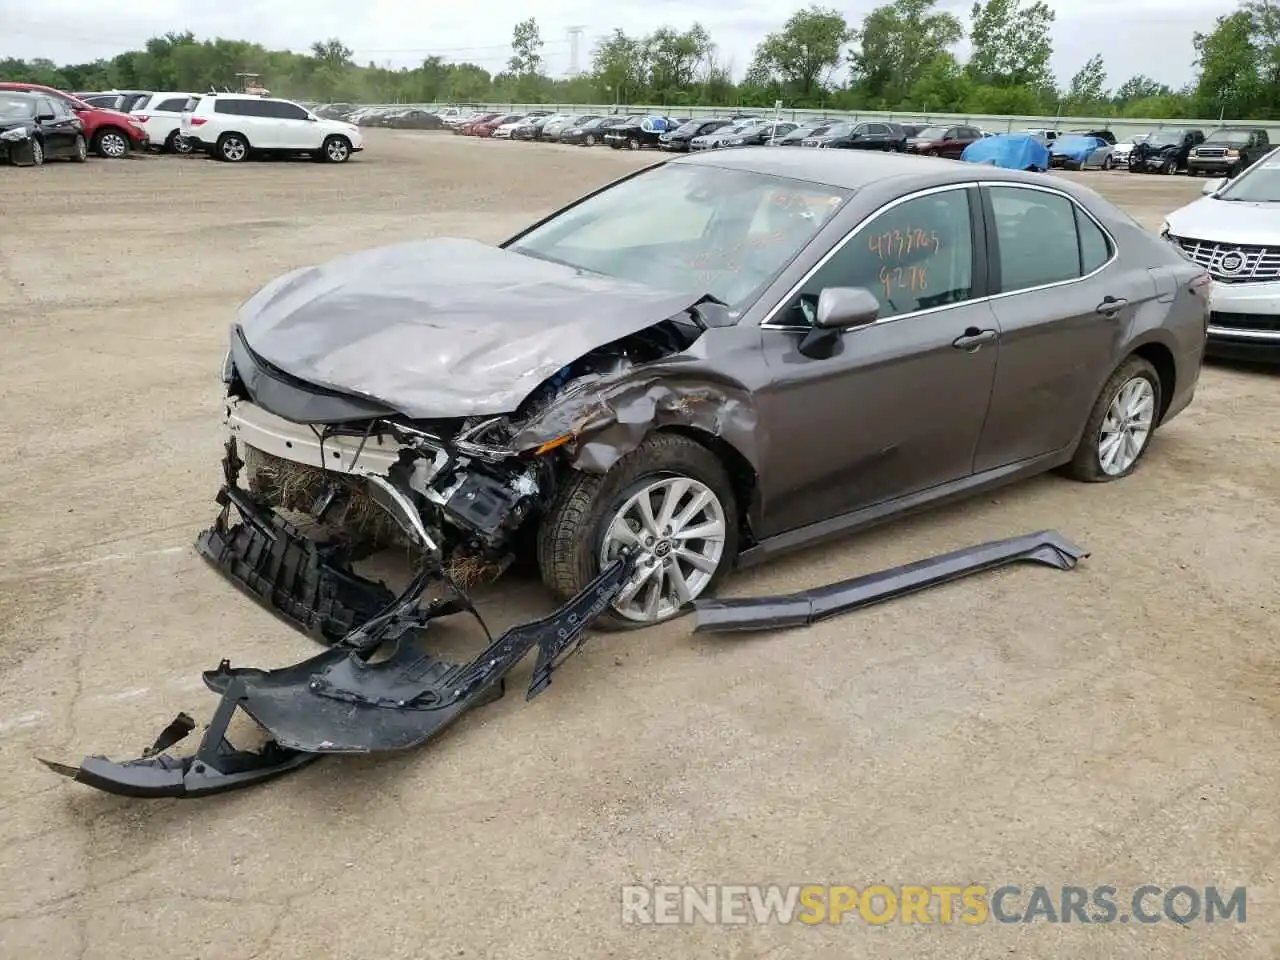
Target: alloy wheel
[[113, 145], [337, 150], [37, 153], [678, 526], [234, 149], [1127, 426]]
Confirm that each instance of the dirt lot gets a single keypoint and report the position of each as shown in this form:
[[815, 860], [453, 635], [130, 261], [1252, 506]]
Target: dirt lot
[[1116, 725]]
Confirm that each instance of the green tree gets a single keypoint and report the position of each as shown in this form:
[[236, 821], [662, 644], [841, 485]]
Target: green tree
[[1011, 43], [619, 66], [673, 58], [942, 87], [526, 49], [1087, 91], [1229, 67], [1139, 87], [897, 43], [805, 52]]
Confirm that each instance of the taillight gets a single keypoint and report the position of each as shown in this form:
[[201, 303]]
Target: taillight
[[198, 121], [141, 117]]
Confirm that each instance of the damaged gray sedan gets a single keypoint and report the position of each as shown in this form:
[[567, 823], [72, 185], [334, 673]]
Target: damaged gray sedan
[[712, 361]]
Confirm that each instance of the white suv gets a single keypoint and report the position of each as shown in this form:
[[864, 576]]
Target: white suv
[[231, 126], [161, 116]]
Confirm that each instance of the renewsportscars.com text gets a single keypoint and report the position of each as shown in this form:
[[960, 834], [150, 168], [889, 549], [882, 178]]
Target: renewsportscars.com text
[[971, 904]]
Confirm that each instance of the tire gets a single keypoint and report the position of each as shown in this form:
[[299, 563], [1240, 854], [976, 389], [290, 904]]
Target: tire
[[571, 537], [589, 140], [111, 144], [633, 144], [932, 153], [37, 152], [1087, 463], [1170, 167], [231, 148], [176, 143], [336, 149], [81, 152], [1107, 163]]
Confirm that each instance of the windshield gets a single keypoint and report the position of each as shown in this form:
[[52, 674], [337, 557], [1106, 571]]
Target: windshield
[[1164, 138], [1232, 136], [839, 130], [720, 231], [12, 108], [932, 133], [819, 131], [1259, 184]]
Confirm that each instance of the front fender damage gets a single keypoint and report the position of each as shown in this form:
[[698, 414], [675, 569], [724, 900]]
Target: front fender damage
[[342, 700]]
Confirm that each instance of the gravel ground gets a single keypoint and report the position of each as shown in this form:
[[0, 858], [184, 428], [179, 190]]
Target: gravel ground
[[1115, 725]]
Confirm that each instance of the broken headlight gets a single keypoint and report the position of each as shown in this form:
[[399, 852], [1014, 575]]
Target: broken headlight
[[228, 369]]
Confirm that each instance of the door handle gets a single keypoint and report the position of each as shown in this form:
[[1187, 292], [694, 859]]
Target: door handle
[[973, 339], [1110, 306]]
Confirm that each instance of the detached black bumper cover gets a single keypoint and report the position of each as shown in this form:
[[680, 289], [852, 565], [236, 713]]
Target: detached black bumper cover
[[341, 701], [810, 606]]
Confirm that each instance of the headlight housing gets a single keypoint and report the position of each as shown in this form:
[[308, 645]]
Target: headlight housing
[[1164, 230], [17, 133], [228, 368]]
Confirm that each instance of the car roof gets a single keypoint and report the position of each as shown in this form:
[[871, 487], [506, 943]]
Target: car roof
[[24, 94], [852, 170]]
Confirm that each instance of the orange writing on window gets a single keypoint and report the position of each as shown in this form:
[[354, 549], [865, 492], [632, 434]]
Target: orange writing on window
[[896, 244], [912, 279]]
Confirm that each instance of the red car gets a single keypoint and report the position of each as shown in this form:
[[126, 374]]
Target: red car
[[111, 134], [486, 129], [465, 129]]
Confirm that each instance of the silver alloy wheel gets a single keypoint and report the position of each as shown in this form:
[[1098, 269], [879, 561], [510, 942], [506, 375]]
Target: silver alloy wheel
[[590, 140], [180, 144], [113, 145], [336, 150], [37, 153], [678, 525], [234, 149], [1127, 426]]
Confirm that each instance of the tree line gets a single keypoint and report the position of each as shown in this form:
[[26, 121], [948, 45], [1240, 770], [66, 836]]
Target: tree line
[[901, 57]]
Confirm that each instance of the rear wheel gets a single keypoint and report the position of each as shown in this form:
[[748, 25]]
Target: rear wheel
[[1107, 163], [671, 501], [80, 152], [1120, 426], [231, 147], [1170, 167], [633, 144], [590, 140]]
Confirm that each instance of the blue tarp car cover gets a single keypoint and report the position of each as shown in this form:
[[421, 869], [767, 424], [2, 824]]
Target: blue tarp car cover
[[654, 124], [1013, 151], [1076, 148]]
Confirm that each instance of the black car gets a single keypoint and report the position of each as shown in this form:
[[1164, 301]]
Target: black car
[[678, 140], [797, 136], [762, 134], [1106, 135], [1226, 152], [861, 136], [1164, 151], [414, 120], [34, 128], [589, 134], [913, 129], [643, 133]]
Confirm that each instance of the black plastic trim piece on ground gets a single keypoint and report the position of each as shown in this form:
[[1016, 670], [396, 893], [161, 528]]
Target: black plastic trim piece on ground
[[820, 603]]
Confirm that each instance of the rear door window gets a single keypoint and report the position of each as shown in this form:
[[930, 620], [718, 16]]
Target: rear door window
[[172, 105], [1043, 238]]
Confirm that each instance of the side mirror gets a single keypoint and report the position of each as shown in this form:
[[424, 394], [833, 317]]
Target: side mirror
[[1213, 186], [843, 308]]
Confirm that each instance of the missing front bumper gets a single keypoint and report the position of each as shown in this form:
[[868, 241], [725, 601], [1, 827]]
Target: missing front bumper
[[343, 700]]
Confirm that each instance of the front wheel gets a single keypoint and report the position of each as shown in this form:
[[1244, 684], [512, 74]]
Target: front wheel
[[336, 150], [80, 152], [1170, 167], [671, 501], [633, 144], [37, 153], [111, 145], [1107, 163], [1119, 429]]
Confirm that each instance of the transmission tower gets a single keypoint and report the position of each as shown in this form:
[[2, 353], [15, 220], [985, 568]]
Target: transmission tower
[[575, 37]]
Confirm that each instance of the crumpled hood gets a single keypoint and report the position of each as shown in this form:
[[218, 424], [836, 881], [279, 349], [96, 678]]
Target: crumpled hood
[[444, 328], [1222, 221]]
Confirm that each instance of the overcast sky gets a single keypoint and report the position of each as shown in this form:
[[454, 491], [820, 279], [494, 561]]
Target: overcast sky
[[1132, 35]]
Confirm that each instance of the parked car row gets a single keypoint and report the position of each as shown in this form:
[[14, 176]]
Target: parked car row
[[46, 123], [1167, 150]]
